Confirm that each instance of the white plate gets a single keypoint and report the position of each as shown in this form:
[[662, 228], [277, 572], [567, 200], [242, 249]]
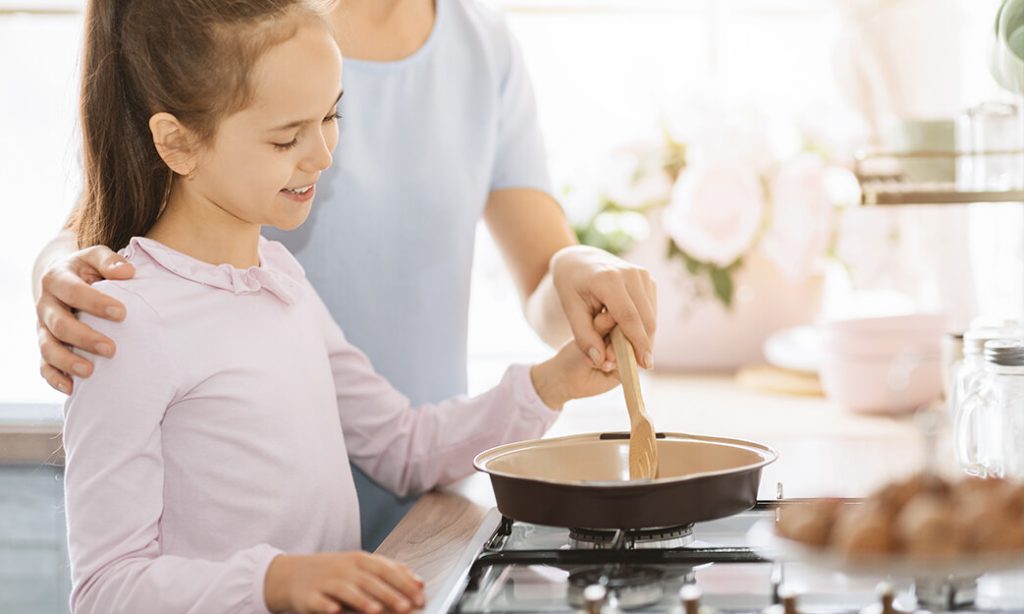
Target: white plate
[[768, 544], [797, 348]]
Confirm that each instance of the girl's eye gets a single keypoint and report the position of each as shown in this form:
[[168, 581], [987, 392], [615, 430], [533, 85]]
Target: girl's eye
[[285, 146]]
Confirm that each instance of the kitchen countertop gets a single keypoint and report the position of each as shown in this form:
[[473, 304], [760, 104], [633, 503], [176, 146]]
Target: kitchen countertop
[[30, 433], [823, 451]]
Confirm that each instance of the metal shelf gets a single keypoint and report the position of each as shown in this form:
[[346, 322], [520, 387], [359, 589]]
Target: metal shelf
[[880, 195], [909, 178]]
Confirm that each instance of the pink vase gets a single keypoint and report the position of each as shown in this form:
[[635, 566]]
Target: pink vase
[[697, 332]]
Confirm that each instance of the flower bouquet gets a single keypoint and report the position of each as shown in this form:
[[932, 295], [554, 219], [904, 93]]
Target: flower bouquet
[[736, 235]]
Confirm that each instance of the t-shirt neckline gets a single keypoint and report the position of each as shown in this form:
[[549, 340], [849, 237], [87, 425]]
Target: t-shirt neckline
[[415, 56]]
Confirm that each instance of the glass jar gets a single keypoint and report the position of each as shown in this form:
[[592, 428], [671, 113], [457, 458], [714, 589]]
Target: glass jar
[[967, 374], [990, 429]]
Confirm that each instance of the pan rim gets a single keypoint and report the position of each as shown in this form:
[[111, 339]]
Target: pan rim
[[768, 456]]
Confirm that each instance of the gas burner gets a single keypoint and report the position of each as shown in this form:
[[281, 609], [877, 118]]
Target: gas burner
[[632, 587], [632, 539], [951, 593]]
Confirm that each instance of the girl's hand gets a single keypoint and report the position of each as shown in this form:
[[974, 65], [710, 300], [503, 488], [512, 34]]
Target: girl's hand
[[570, 374], [588, 281], [323, 583]]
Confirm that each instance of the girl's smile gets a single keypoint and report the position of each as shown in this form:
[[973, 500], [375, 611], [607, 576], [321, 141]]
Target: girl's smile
[[302, 194]]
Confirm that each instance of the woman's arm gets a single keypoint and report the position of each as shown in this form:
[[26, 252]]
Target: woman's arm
[[529, 228], [114, 482], [564, 285]]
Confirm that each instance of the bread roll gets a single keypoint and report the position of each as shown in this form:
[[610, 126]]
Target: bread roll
[[865, 530]]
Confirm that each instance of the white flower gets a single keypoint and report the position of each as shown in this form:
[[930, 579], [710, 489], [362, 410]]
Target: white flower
[[802, 217], [634, 178], [715, 211]]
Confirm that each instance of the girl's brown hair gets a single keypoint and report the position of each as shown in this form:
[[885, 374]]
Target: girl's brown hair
[[189, 58]]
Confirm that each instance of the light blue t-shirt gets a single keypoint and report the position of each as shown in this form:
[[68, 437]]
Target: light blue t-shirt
[[389, 242]]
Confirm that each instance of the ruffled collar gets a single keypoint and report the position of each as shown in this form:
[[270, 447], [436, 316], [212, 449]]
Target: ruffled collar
[[279, 273]]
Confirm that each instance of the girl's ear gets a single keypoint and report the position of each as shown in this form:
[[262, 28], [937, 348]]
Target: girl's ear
[[174, 143]]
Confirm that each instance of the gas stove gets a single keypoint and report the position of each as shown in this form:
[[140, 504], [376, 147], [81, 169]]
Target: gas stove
[[512, 566]]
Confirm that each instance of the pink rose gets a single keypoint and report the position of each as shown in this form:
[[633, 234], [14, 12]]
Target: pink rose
[[802, 217], [715, 211]]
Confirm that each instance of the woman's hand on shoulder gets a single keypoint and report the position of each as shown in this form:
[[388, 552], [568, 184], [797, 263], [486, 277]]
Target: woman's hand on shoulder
[[590, 281], [570, 373], [324, 583], [66, 287]]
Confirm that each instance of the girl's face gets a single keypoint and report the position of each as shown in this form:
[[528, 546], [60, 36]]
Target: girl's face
[[264, 161]]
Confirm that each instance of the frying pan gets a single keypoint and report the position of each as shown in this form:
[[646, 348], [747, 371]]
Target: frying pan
[[582, 481]]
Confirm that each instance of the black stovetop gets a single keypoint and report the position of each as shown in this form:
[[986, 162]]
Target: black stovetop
[[521, 567]]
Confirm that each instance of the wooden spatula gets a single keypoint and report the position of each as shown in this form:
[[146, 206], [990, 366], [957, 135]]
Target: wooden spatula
[[643, 450]]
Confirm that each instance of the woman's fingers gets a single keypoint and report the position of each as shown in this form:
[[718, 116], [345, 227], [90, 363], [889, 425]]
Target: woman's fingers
[[604, 323], [65, 287], [647, 310], [652, 291], [627, 317], [71, 287], [66, 328], [100, 262], [56, 379], [580, 314], [624, 295], [640, 288], [57, 355]]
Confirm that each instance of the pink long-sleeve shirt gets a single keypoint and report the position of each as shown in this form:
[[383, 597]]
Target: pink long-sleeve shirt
[[221, 433]]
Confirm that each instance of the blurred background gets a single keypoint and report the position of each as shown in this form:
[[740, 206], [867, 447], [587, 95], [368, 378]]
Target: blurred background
[[613, 80]]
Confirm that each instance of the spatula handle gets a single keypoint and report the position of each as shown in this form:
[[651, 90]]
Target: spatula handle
[[626, 360]]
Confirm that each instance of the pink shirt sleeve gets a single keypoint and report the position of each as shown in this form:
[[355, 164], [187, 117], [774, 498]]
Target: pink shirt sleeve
[[413, 449], [114, 487]]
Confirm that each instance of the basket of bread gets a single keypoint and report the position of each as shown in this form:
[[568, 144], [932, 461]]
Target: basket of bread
[[923, 526]]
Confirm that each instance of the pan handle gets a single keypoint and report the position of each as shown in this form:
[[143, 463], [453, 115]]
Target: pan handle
[[619, 436]]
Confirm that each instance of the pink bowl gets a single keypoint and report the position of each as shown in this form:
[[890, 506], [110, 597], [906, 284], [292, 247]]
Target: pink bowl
[[883, 365], [907, 324]]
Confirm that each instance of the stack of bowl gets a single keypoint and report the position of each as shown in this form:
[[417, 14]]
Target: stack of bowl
[[886, 364]]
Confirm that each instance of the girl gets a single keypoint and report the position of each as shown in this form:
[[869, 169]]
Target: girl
[[441, 133], [207, 463]]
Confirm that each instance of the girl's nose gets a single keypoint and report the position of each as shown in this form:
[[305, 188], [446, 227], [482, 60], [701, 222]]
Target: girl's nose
[[322, 158], [319, 158]]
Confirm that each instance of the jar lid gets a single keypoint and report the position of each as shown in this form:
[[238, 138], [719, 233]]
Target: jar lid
[[1005, 352]]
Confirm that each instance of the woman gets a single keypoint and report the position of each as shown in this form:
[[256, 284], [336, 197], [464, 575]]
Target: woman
[[439, 130]]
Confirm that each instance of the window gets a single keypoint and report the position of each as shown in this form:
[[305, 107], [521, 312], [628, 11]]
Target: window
[[39, 171]]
